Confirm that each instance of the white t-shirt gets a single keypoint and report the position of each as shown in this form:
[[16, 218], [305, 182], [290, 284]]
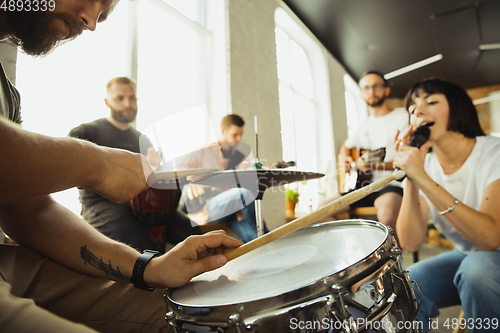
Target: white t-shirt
[[378, 132], [467, 184]]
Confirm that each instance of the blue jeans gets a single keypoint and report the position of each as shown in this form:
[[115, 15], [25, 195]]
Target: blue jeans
[[223, 208], [453, 278]]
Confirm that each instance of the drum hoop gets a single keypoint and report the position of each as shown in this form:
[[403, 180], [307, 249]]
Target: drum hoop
[[345, 278]]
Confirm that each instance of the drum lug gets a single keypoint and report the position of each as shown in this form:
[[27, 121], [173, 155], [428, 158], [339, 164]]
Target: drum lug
[[391, 231], [169, 317], [396, 252], [341, 312], [336, 288], [393, 235], [234, 319]]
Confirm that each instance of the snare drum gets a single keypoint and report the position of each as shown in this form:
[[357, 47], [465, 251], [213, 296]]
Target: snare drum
[[345, 276]]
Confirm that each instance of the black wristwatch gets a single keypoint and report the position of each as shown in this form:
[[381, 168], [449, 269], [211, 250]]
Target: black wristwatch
[[139, 267]]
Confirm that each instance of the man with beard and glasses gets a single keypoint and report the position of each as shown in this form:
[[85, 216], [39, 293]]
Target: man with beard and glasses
[[374, 141], [60, 277], [142, 229]]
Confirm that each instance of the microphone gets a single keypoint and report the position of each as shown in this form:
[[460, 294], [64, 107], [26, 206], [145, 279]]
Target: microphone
[[418, 138]]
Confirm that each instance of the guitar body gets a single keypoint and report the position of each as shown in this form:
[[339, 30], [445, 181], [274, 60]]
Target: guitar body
[[197, 196], [357, 178]]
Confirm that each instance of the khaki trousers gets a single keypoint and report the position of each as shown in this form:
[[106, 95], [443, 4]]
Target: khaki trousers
[[39, 295]]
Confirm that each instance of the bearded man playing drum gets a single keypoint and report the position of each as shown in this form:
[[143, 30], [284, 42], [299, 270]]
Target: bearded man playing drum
[[60, 276]]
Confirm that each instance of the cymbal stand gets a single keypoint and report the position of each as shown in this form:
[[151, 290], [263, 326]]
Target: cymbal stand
[[259, 222]]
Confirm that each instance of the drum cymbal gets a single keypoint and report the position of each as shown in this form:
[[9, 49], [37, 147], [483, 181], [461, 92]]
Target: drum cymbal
[[265, 178]]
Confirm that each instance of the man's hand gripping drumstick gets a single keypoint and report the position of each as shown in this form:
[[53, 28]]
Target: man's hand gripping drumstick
[[315, 216]]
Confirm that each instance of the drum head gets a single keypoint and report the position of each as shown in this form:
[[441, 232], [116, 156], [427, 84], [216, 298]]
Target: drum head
[[287, 264]]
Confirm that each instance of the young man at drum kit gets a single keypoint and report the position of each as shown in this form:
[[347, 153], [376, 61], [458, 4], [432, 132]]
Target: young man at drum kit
[[150, 219], [60, 276], [375, 134], [457, 184], [233, 206]]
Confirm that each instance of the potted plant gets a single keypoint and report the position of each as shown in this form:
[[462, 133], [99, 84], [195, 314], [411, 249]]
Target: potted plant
[[291, 197]]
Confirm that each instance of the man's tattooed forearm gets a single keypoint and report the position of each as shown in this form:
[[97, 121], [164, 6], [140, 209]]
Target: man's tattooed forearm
[[89, 258]]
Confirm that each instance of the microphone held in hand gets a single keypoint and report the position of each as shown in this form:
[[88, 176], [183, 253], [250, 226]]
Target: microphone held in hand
[[418, 138]]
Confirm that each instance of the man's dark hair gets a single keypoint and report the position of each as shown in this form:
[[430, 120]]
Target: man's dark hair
[[463, 114], [376, 73], [232, 119]]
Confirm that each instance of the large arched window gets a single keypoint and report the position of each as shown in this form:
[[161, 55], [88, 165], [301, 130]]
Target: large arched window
[[297, 104], [304, 103], [356, 108], [163, 44]]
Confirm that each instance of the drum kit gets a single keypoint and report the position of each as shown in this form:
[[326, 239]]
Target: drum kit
[[342, 276], [345, 276]]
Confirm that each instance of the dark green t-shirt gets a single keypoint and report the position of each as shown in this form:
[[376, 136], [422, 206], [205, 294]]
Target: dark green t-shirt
[[10, 101]]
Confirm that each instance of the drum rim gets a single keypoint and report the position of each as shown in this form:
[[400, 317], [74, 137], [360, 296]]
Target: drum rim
[[320, 288]]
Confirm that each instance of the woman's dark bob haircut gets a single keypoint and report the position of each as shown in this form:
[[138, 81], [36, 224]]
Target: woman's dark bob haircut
[[463, 114]]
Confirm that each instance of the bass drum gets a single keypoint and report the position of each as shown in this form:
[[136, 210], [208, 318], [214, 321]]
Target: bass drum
[[345, 276]]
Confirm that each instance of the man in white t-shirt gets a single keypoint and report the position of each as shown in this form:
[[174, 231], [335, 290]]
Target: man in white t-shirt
[[374, 139]]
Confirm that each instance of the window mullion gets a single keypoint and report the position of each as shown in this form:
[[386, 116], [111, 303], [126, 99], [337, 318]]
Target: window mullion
[[172, 11]]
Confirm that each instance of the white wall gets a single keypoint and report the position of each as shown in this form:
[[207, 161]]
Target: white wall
[[254, 86], [254, 89]]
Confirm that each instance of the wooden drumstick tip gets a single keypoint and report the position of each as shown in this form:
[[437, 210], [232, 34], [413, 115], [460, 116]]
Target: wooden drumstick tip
[[399, 174]]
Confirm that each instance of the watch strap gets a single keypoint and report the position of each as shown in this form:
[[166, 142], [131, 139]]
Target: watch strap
[[139, 267]]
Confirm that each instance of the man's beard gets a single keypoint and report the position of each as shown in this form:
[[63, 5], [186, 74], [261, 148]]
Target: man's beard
[[122, 118], [31, 31], [377, 102]]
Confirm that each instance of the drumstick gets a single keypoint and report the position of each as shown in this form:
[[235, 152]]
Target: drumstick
[[333, 206]]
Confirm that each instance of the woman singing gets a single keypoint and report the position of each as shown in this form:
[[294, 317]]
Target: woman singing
[[457, 185]]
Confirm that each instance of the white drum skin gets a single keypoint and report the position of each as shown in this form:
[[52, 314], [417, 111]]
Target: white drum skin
[[299, 277]]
